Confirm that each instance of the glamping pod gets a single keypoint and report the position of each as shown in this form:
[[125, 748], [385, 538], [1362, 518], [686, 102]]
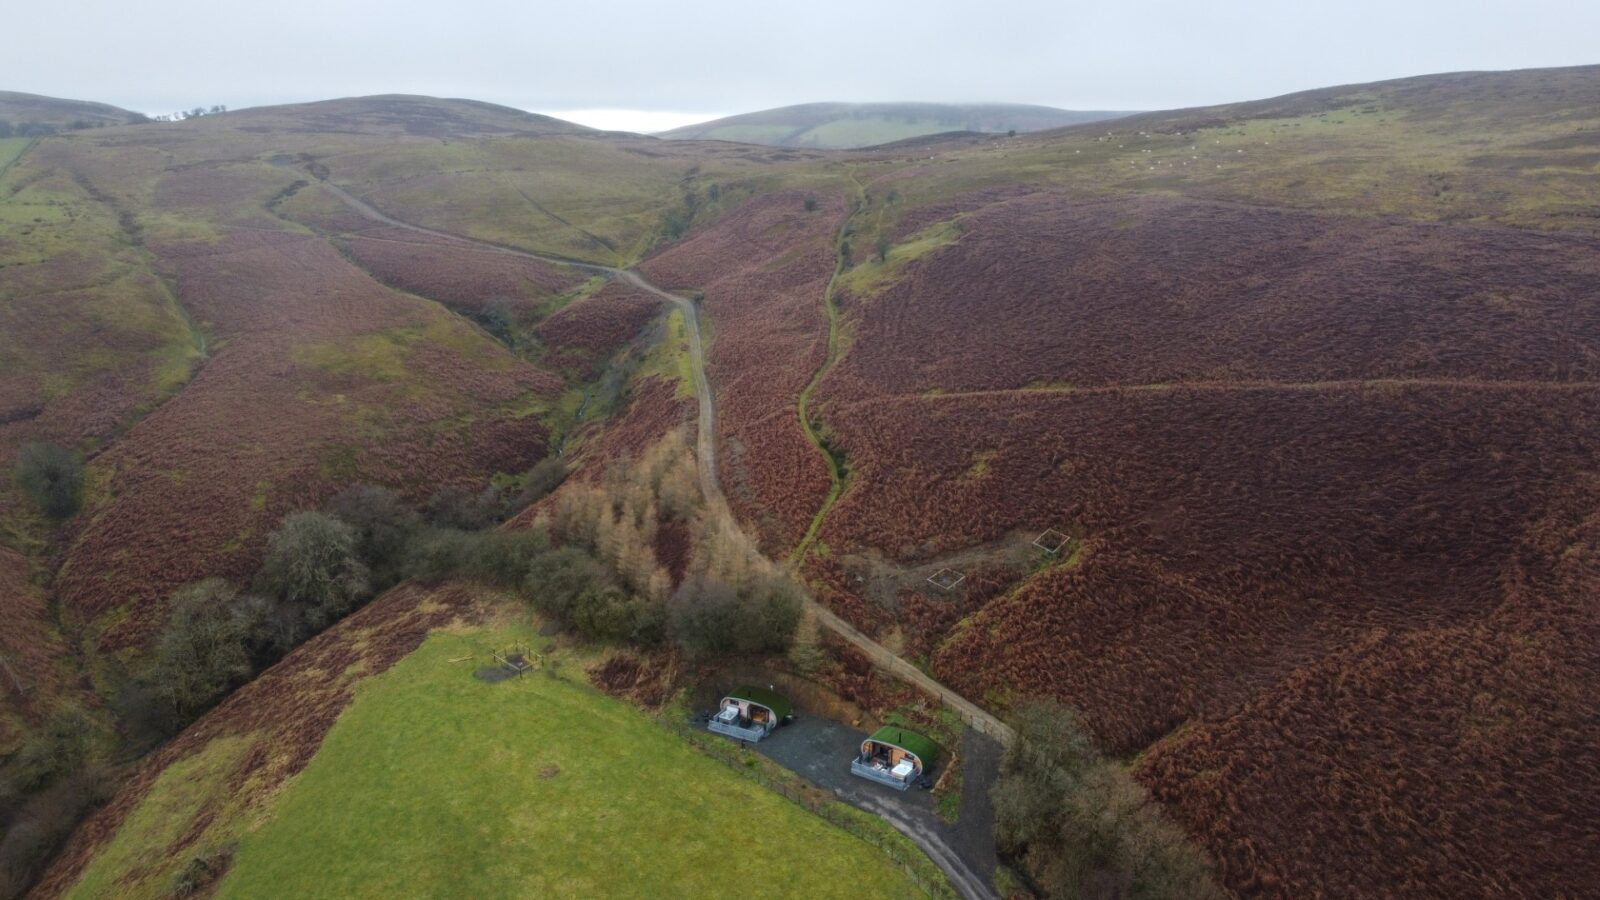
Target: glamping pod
[[750, 713], [895, 757]]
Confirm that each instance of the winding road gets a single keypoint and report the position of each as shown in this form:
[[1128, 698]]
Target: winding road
[[961, 877]]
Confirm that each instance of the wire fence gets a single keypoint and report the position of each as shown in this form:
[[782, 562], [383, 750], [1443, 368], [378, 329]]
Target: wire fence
[[906, 856]]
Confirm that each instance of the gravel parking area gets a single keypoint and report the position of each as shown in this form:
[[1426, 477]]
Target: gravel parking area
[[819, 750]]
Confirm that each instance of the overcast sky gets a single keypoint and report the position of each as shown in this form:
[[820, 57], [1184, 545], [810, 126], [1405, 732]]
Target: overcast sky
[[649, 64]]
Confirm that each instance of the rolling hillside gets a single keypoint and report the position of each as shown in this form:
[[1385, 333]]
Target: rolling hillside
[[531, 786], [19, 110], [836, 126], [400, 113], [1306, 381], [1304, 388]]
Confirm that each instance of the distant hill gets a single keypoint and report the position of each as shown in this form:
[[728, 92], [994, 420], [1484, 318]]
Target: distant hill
[[35, 113], [840, 126], [410, 113], [1450, 102]]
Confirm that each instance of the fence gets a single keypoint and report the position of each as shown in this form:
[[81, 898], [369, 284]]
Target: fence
[[923, 872]]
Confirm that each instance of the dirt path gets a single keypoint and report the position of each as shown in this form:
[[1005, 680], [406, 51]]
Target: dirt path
[[706, 456], [818, 749], [1359, 384], [706, 429], [18, 158], [706, 453]]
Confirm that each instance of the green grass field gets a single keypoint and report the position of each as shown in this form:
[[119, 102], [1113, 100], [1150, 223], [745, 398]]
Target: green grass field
[[845, 125], [433, 783], [866, 132], [436, 783], [669, 358], [10, 149]]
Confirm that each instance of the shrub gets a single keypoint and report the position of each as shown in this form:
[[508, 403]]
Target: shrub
[[502, 318], [556, 579], [383, 527], [52, 476], [23, 851], [144, 718], [501, 557], [312, 566], [65, 745], [461, 509], [200, 871], [605, 613], [544, 477], [712, 618], [202, 653], [495, 557], [704, 617], [43, 823], [811, 203], [436, 554], [1081, 824], [272, 628], [768, 611]]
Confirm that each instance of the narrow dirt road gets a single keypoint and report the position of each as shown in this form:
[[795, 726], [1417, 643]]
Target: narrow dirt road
[[706, 428], [706, 452]]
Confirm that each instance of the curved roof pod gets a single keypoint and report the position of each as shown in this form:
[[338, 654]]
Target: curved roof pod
[[779, 704], [923, 750]]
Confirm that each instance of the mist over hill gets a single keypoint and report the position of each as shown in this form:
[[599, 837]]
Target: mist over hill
[[406, 113], [36, 114], [837, 126]]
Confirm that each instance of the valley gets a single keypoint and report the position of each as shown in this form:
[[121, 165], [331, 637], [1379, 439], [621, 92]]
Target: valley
[[1304, 388]]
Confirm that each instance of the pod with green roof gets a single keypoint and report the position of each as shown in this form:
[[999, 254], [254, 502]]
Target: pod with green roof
[[895, 757], [750, 713]]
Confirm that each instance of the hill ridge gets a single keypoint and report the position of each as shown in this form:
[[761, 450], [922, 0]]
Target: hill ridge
[[839, 125]]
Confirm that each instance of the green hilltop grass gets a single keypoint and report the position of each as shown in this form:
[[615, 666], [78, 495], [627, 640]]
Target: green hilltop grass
[[1429, 149], [866, 132], [840, 126], [433, 783], [602, 200]]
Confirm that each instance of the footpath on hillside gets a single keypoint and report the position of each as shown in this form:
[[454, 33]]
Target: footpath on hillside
[[967, 883]]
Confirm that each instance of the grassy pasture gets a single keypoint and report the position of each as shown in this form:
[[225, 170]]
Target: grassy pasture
[[751, 134], [669, 359], [10, 149], [866, 132], [847, 125], [604, 201], [572, 197], [433, 783], [874, 274]]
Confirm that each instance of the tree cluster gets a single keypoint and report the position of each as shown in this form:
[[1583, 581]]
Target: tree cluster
[[732, 599], [55, 778], [1081, 825], [589, 561]]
